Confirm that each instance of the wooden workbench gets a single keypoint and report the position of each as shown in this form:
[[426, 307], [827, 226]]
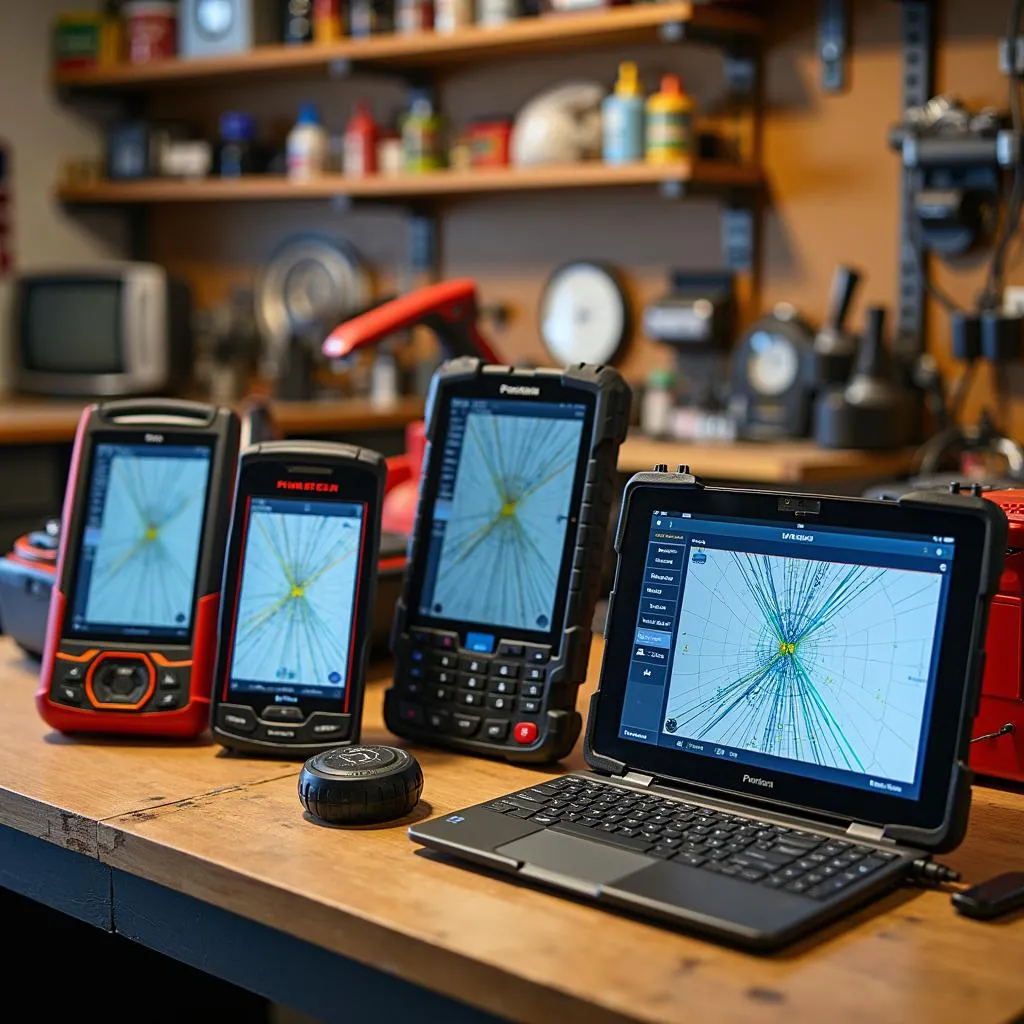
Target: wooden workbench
[[48, 422], [209, 858], [790, 462]]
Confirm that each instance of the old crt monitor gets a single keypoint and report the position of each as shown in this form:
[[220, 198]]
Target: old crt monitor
[[116, 329]]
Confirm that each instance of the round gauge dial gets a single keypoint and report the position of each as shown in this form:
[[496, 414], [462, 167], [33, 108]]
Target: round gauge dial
[[773, 363], [584, 315], [214, 17]]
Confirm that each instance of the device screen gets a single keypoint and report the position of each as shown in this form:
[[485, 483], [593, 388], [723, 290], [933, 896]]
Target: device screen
[[73, 328], [810, 651], [297, 597], [501, 518], [140, 547]]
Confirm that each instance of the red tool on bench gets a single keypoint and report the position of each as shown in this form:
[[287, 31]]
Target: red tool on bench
[[450, 310]]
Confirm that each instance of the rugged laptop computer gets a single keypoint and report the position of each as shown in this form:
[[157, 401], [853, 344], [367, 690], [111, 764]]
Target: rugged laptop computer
[[780, 731]]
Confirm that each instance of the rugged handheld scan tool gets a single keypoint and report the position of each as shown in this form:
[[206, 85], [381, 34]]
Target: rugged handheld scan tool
[[131, 635], [492, 635], [299, 588]]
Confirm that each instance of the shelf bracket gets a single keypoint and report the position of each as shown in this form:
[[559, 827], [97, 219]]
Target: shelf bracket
[[918, 86], [739, 237], [833, 43]]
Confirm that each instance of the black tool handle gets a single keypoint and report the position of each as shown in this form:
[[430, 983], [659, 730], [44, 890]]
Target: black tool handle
[[871, 359], [844, 286]]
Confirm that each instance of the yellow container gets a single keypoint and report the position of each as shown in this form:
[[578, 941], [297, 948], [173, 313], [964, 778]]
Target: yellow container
[[669, 132]]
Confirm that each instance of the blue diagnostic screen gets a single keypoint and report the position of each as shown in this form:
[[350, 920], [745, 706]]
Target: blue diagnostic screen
[[812, 651]]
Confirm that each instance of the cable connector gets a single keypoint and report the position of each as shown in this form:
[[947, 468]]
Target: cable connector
[[931, 874]]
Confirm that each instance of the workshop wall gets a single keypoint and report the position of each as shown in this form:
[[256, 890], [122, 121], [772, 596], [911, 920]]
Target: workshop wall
[[40, 132], [834, 184]]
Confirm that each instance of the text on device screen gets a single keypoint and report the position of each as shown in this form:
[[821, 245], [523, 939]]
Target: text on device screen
[[142, 538], [806, 650], [502, 512], [74, 328], [297, 598]]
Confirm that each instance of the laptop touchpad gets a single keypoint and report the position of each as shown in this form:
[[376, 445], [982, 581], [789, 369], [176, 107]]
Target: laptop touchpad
[[575, 860]]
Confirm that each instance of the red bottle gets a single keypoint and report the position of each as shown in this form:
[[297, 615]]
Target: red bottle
[[360, 144]]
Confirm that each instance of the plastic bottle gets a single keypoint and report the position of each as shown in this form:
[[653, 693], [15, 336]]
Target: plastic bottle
[[326, 21], [421, 138], [622, 118], [669, 123], [450, 15], [656, 403], [306, 145], [360, 145], [235, 156]]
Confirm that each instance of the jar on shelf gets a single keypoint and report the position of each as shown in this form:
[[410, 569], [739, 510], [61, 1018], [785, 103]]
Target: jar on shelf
[[235, 154]]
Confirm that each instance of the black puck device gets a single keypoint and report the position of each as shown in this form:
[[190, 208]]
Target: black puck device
[[492, 634], [299, 589], [360, 785]]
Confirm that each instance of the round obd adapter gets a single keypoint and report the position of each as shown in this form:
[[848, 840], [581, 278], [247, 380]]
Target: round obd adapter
[[360, 785]]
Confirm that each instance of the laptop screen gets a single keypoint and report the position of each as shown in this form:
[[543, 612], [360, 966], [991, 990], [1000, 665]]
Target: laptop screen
[[802, 649]]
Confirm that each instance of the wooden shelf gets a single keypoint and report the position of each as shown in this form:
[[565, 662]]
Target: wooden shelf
[[751, 462], [53, 422], [436, 184], [623, 26]]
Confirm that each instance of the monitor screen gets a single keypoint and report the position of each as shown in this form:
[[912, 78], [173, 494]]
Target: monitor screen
[[297, 597], [805, 650], [73, 327], [499, 525], [141, 542]]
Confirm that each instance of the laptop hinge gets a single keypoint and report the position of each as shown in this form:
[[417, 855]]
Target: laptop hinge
[[870, 833], [638, 778]]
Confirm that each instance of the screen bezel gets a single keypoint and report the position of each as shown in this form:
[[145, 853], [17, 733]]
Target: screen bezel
[[488, 388], [929, 811], [258, 477], [55, 284], [143, 438]]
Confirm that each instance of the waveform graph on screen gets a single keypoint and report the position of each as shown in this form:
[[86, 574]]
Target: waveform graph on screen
[[814, 661], [295, 607], [503, 542], [145, 556]]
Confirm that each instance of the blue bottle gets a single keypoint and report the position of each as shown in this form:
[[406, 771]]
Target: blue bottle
[[622, 118]]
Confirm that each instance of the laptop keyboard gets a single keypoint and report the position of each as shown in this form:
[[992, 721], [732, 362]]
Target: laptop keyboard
[[734, 845]]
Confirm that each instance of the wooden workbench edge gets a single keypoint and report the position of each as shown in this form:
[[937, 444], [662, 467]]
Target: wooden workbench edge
[[431, 963]]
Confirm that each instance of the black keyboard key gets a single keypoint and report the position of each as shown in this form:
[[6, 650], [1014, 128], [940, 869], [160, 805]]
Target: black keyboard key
[[505, 686], [774, 882], [442, 693], [793, 851], [659, 819], [494, 729], [664, 852], [533, 796], [532, 690], [798, 886], [674, 831], [506, 650], [546, 818], [574, 828], [529, 707], [534, 675], [770, 858], [442, 678], [693, 860], [472, 682], [728, 870], [751, 875], [712, 865], [827, 888], [470, 699], [625, 831], [495, 702], [834, 848], [475, 665], [522, 812], [445, 661], [868, 866], [465, 725], [814, 878], [537, 655], [501, 806], [438, 719], [608, 826], [505, 669]]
